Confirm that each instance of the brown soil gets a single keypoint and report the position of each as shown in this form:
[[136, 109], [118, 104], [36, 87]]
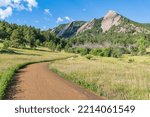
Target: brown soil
[[37, 82]]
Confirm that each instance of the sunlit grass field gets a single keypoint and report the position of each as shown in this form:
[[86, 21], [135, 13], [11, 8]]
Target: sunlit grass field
[[123, 78], [21, 56]]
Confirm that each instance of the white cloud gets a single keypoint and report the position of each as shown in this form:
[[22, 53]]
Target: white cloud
[[5, 13], [31, 3], [59, 19], [17, 1], [4, 3], [7, 6], [18, 5], [68, 18], [47, 11]]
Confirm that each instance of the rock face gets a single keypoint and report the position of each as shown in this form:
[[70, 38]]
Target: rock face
[[68, 30], [86, 26], [111, 18]]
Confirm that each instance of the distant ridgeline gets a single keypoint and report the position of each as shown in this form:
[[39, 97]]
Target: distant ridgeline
[[111, 36]]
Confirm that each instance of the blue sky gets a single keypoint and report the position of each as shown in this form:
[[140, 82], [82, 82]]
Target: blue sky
[[46, 14]]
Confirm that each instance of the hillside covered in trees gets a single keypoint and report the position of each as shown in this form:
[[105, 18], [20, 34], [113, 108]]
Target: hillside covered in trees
[[110, 36], [13, 35]]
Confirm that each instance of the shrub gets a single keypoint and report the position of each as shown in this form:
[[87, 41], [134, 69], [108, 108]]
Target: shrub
[[70, 50], [85, 51], [124, 50], [82, 51], [6, 44], [7, 51], [142, 44], [131, 60], [116, 53], [89, 57], [134, 50], [107, 52], [96, 52]]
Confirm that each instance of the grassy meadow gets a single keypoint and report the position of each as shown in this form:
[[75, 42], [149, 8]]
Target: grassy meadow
[[127, 77], [11, 60], [20, 56], [123, 78]]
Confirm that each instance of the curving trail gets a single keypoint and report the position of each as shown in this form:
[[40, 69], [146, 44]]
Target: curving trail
[[37, 82]]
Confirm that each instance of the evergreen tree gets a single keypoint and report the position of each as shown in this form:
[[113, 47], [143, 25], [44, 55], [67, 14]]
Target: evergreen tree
[[16, 38]]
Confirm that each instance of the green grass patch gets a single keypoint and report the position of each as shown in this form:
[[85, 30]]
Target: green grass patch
[[8, 51], [80, 81]]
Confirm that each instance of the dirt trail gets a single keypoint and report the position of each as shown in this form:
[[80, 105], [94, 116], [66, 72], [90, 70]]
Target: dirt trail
[[37, 82]]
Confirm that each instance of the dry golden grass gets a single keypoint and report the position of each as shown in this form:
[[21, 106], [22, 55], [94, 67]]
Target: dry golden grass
[[25, 55], [124, 78]]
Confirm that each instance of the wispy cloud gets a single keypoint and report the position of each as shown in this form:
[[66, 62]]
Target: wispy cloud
[[7, 6], [67, 18], [47, 11], [5, 13], [59, 19], [31, 4], [4, 3]]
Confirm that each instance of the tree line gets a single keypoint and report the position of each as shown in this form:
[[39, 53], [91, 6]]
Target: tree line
[[111, 44], [18, 36]]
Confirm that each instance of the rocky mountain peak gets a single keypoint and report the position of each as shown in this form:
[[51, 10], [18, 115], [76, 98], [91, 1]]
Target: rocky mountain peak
[[111, 14], [110, 19]]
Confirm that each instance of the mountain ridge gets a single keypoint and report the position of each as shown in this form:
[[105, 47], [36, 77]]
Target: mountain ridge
[[110, 20]]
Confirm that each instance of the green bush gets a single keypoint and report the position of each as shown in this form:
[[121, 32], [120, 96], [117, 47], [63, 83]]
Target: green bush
[[134, 50], [142, 44], [124, 50], [89, 57], [107, 52], [96, 52], [85, 51], [131, 60], [116, 53], [70, 50], [6, 44], [82, 51], [7, 51]]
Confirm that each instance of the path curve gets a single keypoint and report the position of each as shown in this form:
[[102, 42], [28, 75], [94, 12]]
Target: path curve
[[37, 82]]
